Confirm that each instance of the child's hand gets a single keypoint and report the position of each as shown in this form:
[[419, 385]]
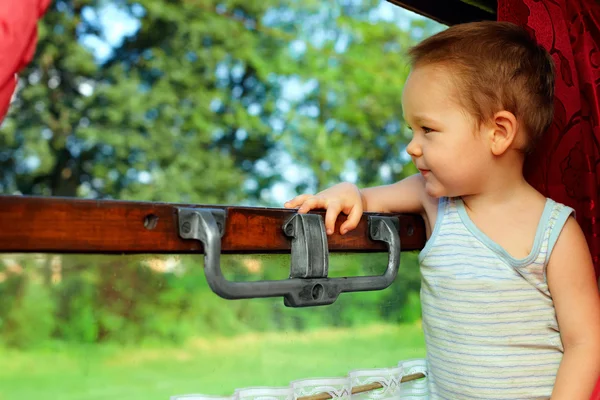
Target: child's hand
[[343, 197]]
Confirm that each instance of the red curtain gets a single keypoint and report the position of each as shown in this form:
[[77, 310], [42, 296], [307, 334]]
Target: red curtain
[[566, 165], [18, 22]]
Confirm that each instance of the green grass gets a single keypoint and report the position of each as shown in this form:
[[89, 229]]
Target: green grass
[[203, 365]]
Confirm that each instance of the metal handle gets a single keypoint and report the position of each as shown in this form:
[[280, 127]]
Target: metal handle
[[308, 284]]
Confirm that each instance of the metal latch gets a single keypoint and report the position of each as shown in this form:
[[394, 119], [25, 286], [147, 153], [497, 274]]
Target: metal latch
[[308, 284]]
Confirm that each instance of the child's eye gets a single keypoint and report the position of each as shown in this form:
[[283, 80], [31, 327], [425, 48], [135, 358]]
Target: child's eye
[[426, 129]]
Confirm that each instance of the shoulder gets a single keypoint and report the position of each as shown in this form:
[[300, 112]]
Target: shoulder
[[560, 224], [572, 284], [570, 254], [570, 238]]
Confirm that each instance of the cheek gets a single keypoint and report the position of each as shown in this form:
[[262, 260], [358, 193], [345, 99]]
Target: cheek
[[470, 150], [459, 162], [449, 156]]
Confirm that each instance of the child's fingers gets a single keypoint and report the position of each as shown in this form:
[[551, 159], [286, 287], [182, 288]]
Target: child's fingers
[[296, 201], [333, 210], [312, 203], [352, 220]]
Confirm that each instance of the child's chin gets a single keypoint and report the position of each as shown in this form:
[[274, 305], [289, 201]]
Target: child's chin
[[434, 191]]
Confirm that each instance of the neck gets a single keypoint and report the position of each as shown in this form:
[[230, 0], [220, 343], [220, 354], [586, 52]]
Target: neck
[[504, 184]]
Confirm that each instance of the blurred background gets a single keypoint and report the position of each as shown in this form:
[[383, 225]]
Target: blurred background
[[211, 102]]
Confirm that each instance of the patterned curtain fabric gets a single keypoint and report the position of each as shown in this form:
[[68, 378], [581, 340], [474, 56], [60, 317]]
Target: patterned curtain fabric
[[17, 45], [566, 165]]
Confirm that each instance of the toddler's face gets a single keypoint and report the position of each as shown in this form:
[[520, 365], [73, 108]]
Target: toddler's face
[[447, 146]]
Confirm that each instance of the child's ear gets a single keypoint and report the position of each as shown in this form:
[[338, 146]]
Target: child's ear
[[503, 132]]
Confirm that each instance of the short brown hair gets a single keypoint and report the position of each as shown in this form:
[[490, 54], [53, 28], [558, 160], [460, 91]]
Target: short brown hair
[[496, 66]]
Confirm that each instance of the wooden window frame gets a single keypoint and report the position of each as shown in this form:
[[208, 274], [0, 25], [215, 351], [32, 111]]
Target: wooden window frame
[[68, 225]]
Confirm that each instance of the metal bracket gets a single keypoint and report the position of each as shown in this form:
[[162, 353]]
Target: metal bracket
[[310, 254], [308, 284]]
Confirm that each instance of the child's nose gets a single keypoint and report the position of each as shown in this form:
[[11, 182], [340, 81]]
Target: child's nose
[[414, 149]]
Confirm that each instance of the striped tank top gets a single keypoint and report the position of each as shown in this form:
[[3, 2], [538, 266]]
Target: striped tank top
[[488, 318]]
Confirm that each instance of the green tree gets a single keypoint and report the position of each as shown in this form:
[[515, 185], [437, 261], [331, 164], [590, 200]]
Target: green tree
[[350, 59], [190, 107], [178, 113]]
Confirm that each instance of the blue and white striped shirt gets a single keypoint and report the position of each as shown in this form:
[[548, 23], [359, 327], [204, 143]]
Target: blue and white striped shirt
[[489, 319]]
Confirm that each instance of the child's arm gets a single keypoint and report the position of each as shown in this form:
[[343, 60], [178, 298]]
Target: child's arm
[[405, 196], [572, 283]]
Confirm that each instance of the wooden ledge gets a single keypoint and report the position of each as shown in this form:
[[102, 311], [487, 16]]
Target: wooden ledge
[[66, 225]]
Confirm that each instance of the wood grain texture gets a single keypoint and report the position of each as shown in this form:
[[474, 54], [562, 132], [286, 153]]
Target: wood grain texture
[[64, 225]]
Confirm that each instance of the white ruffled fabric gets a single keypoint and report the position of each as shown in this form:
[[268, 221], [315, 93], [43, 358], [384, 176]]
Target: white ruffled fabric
[[340, 387]]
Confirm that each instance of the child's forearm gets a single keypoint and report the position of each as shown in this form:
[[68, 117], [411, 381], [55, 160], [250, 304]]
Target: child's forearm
[[578, 373], [404, 196], [372, 198]]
